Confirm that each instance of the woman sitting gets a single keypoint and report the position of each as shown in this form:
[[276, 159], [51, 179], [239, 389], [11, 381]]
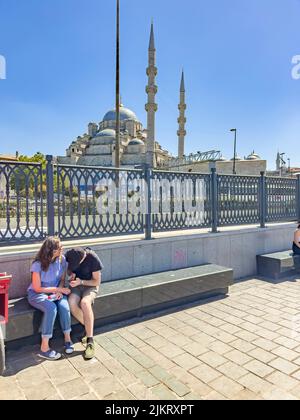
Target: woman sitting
[[48, 294], [296, 243]]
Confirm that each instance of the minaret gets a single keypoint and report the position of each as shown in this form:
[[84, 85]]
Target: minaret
[[151, 106], [181, 120], [278, 162]]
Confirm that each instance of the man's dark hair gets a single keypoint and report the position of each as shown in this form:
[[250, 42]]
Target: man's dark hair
[[74, 257]]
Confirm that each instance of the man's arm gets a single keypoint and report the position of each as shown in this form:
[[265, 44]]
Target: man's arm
[[94, 282]]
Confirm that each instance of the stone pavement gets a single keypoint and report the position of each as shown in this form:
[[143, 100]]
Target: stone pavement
[[246, 346]]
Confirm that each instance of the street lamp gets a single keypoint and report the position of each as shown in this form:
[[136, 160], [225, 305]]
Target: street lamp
[[234, 156]]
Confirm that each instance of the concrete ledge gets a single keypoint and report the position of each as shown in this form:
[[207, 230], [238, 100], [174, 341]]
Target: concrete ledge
[[134, 297], [278, 265], [127, 257]]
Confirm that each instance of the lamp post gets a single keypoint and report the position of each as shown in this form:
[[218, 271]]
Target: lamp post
[[117, 162], [234, 156]]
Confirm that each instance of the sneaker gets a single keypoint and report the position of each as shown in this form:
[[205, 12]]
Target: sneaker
[[69, 348], [50, 355], [90, 351], [84, 341]]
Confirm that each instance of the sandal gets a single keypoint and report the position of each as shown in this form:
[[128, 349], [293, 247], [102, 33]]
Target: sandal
[[69, 348], [50, 355]]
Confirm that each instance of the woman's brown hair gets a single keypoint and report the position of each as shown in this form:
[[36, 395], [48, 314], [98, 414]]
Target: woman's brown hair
[[45, 254]]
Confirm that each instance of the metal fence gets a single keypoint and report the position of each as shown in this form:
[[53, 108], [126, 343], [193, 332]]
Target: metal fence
[[93, 202], [22, 208], [86, 202]]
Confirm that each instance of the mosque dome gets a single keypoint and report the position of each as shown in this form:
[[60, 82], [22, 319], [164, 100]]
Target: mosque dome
[[125, 114], [253, 156], [106, 133], [103, 137], [237, 158], [136, 142]]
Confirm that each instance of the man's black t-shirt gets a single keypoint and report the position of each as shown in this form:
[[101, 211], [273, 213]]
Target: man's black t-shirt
[[90, 265]]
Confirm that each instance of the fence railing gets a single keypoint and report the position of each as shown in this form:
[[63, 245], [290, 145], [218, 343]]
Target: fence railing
[[86, 202], [22, 208]]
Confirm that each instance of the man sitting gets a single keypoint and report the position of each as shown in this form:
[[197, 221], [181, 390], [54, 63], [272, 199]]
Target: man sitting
[[84, 267]]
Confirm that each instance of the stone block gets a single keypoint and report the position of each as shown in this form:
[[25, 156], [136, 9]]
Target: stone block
[[278, 265], [143, 260], [122, 263]]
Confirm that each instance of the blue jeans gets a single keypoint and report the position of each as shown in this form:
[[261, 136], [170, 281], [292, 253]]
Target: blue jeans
[[50, 309]]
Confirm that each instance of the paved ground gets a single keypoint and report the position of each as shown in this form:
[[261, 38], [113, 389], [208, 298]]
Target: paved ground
[[246, 346]]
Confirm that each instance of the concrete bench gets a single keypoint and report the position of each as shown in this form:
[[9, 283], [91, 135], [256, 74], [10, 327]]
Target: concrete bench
[[134, 297], [278, 265]]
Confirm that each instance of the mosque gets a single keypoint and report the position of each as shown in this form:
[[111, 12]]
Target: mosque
[[97, 147], [138, 145]]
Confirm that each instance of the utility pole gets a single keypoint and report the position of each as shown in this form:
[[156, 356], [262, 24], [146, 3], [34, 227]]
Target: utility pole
[[234, 156], [117, 154]]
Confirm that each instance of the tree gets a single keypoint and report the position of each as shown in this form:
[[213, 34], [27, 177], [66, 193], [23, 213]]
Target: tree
[[24, 181]]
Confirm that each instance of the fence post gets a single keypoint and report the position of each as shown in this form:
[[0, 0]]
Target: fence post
[[263, 200], [214, 200], [148, 226], [50, 195], [298, 197]]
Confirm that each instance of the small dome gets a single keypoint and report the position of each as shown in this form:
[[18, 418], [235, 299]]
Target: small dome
[[253, 156], [125, 114], [136, 142], [237, 158], [106, 133], [222, 159]]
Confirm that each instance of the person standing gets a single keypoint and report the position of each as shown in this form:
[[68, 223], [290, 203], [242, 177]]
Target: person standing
[[84, 267]]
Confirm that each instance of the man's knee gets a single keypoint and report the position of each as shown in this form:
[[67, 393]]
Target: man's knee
[[86, 303]]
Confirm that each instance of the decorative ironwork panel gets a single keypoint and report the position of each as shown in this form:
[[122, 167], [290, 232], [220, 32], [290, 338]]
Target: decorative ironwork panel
[[180, 201], [22, 188], [92, 202], [238, 200], [281, 199]]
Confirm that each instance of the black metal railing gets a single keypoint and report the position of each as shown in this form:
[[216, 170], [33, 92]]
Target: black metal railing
[[22, 208], [180, 201], [86, 202], [94, 202]]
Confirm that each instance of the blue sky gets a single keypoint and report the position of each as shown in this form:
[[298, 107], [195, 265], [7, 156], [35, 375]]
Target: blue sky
[[237, 56]]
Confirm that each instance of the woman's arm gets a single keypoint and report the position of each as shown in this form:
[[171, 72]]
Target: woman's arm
[[62, 289], [36, 284]]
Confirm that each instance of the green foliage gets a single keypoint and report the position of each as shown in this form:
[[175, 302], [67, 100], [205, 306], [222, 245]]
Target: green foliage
[[26, 182]]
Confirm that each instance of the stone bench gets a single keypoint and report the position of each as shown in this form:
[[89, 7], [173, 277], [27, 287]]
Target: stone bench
[[278, 265], [134, 297]]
